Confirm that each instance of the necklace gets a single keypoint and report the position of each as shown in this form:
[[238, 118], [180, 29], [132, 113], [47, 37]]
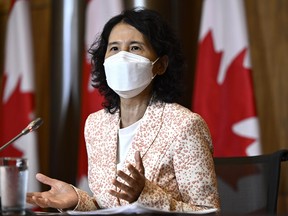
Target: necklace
[[116, 162]]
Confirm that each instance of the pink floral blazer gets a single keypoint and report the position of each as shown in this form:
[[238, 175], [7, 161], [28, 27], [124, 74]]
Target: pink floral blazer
[[176, 150]]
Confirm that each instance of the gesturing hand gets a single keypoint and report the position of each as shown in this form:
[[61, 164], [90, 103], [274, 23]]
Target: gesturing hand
[[134, 183], [61, 195]]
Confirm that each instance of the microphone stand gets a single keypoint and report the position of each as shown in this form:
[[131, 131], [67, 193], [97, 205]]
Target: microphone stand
[[31, 127], [11, 141]]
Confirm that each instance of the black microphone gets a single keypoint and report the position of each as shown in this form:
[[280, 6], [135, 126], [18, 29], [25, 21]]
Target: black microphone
[[30, 127]]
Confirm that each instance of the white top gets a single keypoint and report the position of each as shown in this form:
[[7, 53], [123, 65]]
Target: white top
[[125, 137]]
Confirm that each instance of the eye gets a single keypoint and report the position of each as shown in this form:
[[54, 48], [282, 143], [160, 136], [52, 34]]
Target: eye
[[113, 48], [135, 48]]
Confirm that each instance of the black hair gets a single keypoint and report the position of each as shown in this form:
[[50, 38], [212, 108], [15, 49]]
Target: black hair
[[167, 87]]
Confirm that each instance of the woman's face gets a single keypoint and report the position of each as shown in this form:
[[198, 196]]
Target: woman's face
[[125, 37]]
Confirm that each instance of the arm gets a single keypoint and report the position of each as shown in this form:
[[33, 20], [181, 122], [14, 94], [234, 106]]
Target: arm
[[194, 172], [61, 196], [85, 201]]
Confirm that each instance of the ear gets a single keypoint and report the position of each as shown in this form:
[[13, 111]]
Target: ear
[[161, 65]]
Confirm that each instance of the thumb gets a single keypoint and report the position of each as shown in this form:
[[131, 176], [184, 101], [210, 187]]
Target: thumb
[[139, 163], [45, 179]]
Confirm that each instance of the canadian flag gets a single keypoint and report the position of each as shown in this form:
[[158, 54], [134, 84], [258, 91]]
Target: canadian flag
[[97, 14], [17, 92], [223, 93]]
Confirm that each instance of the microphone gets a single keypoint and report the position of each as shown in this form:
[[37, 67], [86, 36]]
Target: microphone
[[30, 127]]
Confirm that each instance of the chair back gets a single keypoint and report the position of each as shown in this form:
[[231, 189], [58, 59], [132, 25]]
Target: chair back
[[249, 184]]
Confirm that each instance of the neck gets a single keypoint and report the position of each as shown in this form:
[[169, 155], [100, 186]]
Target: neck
[[132, 110]]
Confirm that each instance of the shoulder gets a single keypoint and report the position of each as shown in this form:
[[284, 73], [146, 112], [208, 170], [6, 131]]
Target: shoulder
[[185, 121], [99, 119], [96, 116], [181, 113]]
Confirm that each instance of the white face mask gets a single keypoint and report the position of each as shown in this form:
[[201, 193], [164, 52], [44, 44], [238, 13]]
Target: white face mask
[[128, 74]]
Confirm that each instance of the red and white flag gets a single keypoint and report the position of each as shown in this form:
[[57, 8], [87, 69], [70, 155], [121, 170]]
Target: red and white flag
[[17, 93], [97, 14], [223, 93]]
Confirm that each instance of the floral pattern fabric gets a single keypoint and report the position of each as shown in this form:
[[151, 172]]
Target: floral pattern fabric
[[177, 155]]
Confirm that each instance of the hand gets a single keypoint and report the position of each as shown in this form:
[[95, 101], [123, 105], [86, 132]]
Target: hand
[[134, 182], [61, 195]]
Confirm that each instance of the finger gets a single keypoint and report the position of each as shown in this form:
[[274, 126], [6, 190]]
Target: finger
[[33, 194], [46, 202], [124, 176], [30, 200], [121, 186], [45, 179], [139, 162], [134, 172], [127, 178], [42, 202], [29, 194], [131, 182], [56, 203], [120, 195]]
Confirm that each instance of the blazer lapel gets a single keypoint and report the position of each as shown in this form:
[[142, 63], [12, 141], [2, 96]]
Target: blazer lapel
[[147, 132]]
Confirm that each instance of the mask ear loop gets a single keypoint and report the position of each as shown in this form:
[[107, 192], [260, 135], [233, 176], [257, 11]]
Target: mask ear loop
[[155, 61], [153, 64]]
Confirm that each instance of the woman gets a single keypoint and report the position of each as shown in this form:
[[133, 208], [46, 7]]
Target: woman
[[142, 146]]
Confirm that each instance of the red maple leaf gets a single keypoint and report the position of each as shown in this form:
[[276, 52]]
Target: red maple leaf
[[223, 105], [14, 117]]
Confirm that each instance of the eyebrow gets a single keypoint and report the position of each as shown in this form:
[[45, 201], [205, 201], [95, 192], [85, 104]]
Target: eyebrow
[[113, 43], [132, 42], [137, 42]]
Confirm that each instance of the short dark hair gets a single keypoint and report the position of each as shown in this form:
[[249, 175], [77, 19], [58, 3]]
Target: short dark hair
[[167, 87]]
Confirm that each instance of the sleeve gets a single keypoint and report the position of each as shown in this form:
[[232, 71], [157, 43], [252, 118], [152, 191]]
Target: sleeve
[[85, 201], [194, 172]]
